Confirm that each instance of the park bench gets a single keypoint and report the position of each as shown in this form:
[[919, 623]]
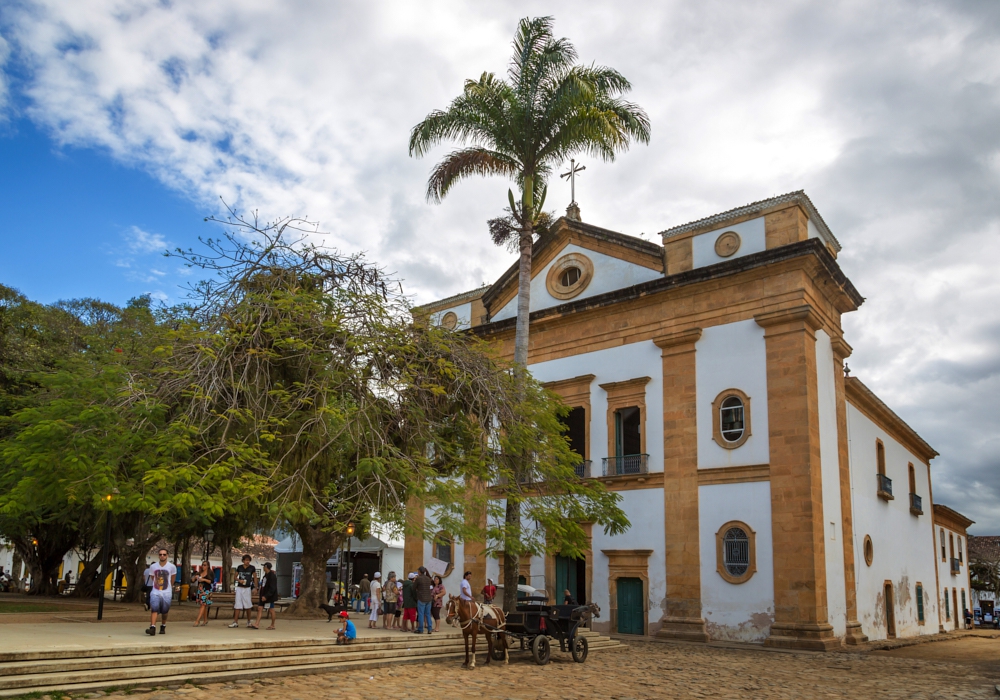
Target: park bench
[[228, 600]]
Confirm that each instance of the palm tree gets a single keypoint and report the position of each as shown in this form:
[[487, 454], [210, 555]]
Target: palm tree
[[547, 110]]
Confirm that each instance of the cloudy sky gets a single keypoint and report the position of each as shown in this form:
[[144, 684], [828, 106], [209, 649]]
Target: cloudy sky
[[122, 124]]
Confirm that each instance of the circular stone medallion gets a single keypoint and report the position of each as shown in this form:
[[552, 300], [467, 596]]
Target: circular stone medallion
[[727, 244]]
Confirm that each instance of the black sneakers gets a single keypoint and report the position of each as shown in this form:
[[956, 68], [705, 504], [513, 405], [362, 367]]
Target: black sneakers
[[151, 630]]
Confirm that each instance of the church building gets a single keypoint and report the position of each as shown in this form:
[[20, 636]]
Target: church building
[[772, 497]]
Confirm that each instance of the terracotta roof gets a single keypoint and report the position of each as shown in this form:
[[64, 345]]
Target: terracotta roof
[[986, 547], [798, 197]]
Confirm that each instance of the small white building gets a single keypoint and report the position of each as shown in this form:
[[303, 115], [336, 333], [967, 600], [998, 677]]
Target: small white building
[[772, 498]]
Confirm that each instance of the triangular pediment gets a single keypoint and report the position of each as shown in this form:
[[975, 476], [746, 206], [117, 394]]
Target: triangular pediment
[[606, 260]]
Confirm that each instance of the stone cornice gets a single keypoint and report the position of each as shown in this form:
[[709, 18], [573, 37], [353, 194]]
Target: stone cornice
[[865, 400], [951, 519]]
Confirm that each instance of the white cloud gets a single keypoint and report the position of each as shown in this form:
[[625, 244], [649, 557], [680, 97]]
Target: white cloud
[[885, 113], [140, 241], [4, 89]]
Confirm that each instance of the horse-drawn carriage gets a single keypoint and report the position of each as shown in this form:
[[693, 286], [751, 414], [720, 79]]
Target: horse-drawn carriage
[[536, 622], [533, 625]]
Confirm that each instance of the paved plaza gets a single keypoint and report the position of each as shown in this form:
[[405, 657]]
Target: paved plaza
[[652, 670]]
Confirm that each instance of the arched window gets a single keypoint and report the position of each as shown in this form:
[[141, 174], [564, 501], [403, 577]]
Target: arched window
[[884, 482], [944, 556], [731, 418], [880, 457], [735, 551], [444, 549], [960, 559], [913, 479], [570, 276]]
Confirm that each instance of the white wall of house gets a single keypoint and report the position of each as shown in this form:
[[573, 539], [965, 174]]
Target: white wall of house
[[732, 356], [610, 273], [836, 596], [463, 311], [737, 612], [901, 541], [615, 365], [645, 510], [752, 240], [952, 617]]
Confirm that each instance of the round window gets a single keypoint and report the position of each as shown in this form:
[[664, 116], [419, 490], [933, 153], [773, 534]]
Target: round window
[[731, 415], [869, 550], [570, 276], [736, 549], [449, 320]]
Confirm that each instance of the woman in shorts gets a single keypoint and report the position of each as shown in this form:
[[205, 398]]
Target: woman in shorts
[[389, 600], [437, 602]]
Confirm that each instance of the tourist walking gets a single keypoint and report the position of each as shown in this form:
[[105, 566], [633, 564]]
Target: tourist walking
[[438, 593], [409, 604], [376, 598], [489, 591], [164, 575], [366, 590], [423, 587], [465, 592], [389, 601], [245, 580], [203, 585], [268, 596]]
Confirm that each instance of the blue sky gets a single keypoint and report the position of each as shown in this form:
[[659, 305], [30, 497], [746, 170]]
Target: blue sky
[[71, 218], [123, 122]]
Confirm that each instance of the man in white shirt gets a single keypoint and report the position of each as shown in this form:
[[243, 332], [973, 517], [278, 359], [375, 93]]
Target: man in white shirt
[[466, 587], [163, 575], [376, 598]]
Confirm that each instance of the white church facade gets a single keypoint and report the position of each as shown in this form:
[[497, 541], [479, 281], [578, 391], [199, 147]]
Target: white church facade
[[771, 498]]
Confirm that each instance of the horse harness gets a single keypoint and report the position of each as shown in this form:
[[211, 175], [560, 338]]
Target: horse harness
[[482, 610]]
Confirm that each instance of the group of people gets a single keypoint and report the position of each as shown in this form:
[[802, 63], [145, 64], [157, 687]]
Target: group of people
[[160, 582], [407, 605]]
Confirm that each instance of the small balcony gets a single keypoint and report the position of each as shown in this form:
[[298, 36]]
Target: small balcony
[[884, 487], [916, 504], [956, 566], [583, 469], [626, 465]]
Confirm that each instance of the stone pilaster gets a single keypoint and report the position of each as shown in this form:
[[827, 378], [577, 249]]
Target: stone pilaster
[[683, 618], [413, 545], [854, 634], [801, 618]]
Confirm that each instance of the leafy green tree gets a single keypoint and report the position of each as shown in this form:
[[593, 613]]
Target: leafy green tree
[[305, 390], [547, 110]]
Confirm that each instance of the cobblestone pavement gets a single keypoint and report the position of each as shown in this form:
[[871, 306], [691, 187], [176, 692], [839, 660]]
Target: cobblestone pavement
[[644, 670]]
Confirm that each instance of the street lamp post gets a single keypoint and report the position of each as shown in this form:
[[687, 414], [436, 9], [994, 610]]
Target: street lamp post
[[106, 554], [347, 566], [209, 536]]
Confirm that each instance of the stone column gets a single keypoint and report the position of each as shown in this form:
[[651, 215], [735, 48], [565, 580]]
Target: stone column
[[854, 634], [683, 618], [800, 606], [413, 545]]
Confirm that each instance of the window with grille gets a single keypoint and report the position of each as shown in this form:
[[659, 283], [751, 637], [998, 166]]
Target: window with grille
[[947, 606], [442, 548], [736, 546], [920, 603], [732, 419], [964, 606]]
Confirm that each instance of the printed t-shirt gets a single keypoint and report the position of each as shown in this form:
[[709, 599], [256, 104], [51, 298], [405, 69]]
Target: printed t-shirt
[[244, 576], [161, 577]]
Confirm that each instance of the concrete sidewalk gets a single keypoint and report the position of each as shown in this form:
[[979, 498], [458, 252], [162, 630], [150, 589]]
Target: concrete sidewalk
[[113, 635]]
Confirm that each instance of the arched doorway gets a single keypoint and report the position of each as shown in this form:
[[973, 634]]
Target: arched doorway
[[890, 611]]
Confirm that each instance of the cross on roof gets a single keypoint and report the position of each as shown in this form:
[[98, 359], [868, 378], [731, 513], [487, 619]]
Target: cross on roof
[[573, 170]]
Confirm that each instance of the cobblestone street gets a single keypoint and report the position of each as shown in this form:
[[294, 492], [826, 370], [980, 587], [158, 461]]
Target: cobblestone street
[[647, 670]]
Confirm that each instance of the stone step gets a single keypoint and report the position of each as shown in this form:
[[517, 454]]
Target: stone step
[[205, 663], [199, 654]]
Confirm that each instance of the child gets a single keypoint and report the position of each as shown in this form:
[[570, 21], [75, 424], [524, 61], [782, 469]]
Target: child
[[347, 633]]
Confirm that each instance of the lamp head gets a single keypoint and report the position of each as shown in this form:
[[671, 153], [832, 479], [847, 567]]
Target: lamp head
[[350, 529], [209, 534]]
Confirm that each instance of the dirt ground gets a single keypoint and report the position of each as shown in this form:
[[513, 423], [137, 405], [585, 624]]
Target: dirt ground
[[647, 670]]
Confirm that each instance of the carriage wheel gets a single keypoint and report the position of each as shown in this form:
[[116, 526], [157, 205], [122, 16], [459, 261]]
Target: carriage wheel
[[540, 650], [580, 649], [499, 643]]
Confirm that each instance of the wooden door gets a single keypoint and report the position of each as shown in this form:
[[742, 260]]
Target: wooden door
[[566, 578], [631, 606], [890, 612]]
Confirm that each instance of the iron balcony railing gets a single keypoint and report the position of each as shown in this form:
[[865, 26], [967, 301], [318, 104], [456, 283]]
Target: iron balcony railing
[[956, 566], [884, 485], [916, 504], [583, 469], [626, 464]]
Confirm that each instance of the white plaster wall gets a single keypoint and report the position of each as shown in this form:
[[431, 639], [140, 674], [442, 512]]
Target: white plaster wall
[[901, 541], [610, 273], [732, 356], [751, 241], [644, 509], [948, 581], [737, 612], [615, 365], [463, 311], [836, 597]]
